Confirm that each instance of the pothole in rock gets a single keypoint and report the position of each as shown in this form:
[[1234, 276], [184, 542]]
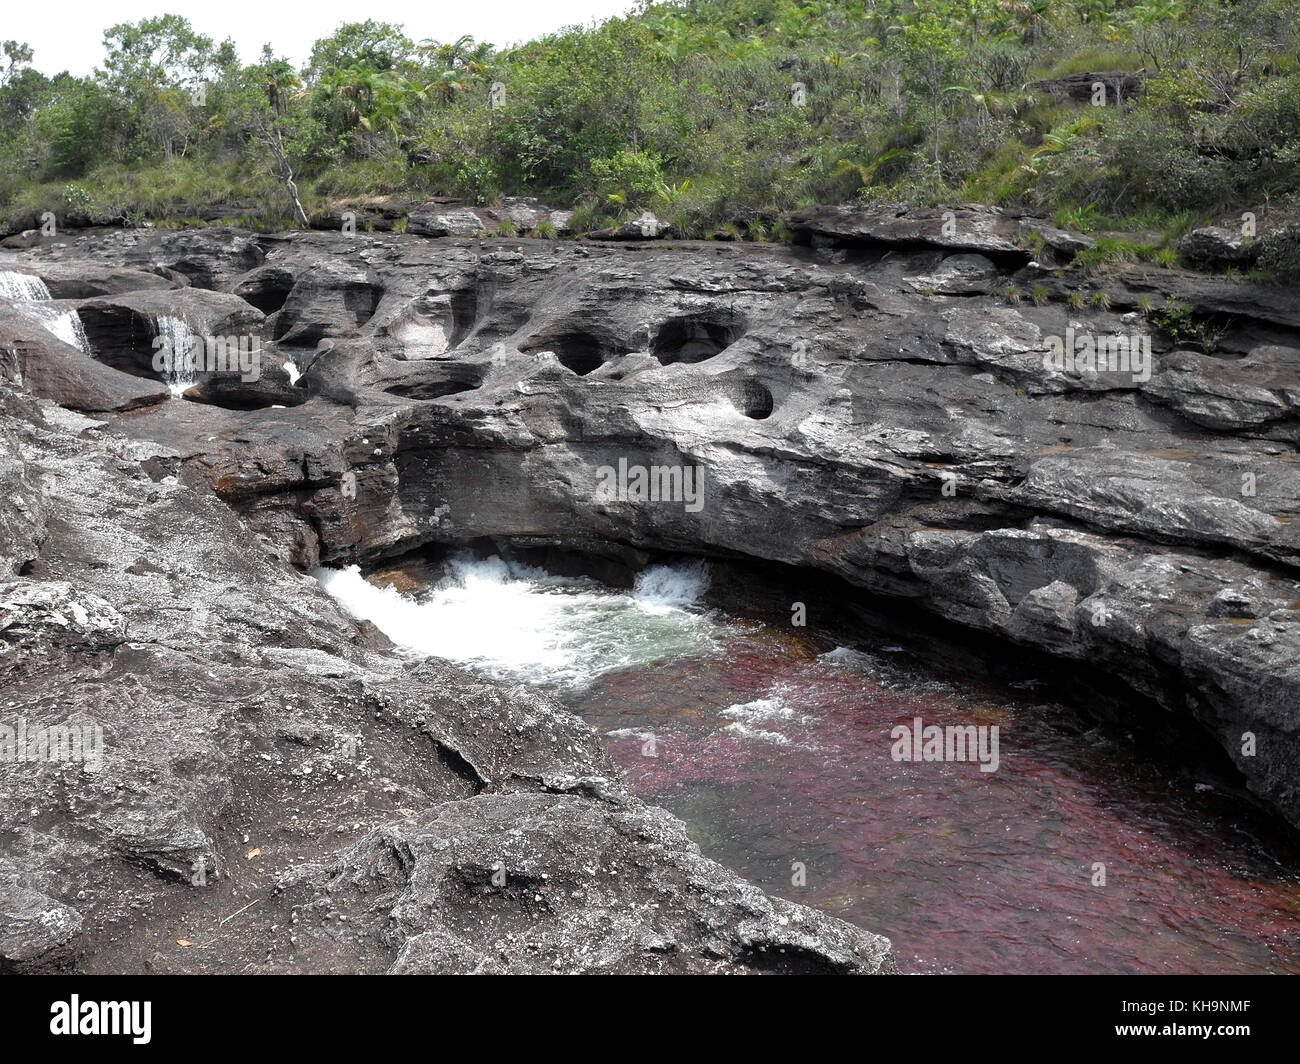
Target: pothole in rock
[[209, 370], [302, 322], [121, 338], [267, 289], [438, 381], [431, 325], [697, 337], [755, 401], [581, 352], [235, 394]]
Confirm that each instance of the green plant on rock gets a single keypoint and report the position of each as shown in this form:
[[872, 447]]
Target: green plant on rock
[[865, 172], [1186, 328], [586, 217], [1080, 219]]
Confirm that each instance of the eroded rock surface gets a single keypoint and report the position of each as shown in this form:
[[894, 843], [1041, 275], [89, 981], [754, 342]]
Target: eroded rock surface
[[877, 407], [241, 764]]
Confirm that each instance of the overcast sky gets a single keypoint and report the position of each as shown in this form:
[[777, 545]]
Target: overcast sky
[[68, 34]]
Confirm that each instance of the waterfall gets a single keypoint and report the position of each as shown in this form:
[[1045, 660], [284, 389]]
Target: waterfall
[[180, 373], [32, 300], [22, 287]]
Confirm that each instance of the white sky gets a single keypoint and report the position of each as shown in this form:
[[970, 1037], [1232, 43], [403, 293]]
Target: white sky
[[68, 34]]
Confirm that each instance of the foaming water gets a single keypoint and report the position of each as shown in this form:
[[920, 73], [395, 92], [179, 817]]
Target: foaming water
[[31, 298], [777, 755], [668, 587], [177, 336], [517, 623], [22, 287]]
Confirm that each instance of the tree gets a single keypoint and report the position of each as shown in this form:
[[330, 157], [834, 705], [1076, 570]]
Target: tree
[[933, 60], [462, 52], [153, 67], [156, 52], [375, 46], [16, 56]]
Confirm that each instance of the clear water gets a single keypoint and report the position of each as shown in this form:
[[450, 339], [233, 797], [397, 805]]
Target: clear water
[[778, 758]]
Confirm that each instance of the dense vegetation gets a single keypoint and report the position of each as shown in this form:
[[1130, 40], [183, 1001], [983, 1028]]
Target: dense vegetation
[[714, 114]]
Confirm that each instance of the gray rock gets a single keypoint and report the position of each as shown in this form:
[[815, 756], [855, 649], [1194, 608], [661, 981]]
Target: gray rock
[[1057, 239], [1082, 87], [554, 883], [914, 447], [987, 230], [958, 275], [243, 752], [1216, 244], [433, 219], [526, 214]]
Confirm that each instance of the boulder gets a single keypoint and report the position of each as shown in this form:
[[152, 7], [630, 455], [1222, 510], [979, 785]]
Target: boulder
[[436, 219], [1218, 245], [986, 230]]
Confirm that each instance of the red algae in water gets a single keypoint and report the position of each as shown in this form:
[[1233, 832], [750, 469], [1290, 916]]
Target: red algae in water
[[1072, 857]]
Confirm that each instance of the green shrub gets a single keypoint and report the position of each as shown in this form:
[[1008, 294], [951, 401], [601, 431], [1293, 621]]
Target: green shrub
[[477, 180], [1186, 328], [636, 175], [1279, 253]]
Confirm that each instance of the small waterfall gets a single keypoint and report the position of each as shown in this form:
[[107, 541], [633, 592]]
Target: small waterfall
[[179, 374], [22, 287], [32, 299]]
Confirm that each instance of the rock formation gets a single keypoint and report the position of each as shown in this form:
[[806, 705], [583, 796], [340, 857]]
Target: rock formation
[[879, 404]]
